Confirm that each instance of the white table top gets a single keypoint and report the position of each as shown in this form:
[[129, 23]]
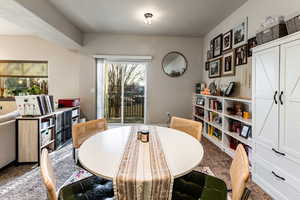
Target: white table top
[[102, 153]]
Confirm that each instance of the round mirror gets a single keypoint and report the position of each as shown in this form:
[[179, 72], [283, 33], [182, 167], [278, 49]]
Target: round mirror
[[174, 64]]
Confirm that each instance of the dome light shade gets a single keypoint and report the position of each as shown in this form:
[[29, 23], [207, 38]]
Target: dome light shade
[[148, 18]]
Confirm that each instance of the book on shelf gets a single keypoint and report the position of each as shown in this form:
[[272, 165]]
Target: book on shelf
[[212, 131], [215, 104], [213, 117]]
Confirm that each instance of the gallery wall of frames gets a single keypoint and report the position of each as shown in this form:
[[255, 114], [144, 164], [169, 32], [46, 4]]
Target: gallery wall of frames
[[229, 50]]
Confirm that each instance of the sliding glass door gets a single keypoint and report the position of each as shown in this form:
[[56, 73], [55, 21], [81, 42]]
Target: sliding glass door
[[124, 91], [133, 93]]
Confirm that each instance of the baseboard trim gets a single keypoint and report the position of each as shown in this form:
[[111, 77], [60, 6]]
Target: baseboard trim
[[267, 187], [8, 165]]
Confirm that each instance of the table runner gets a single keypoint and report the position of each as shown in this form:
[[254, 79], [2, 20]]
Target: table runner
[[143, 173]]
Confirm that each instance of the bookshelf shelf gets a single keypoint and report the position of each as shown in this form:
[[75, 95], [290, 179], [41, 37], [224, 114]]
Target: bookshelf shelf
[[213, 124], [198, 106], [47, 144], [239, 138], [215, 109], [238, 118], [214, 140], [199, 117], [49, 127]]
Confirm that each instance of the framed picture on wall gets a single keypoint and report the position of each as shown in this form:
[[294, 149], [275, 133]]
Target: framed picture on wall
[[206, 66], [252, 42], [209, 54], [240, 55], [217, 50], [228, 68], [215, 68], [227, 41], [211, 45], [240, 33]]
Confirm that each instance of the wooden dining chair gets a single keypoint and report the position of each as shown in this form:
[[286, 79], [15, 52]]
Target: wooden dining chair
[[197, 185], [48, 175], [82, 131], [191, 127], [90, 188]]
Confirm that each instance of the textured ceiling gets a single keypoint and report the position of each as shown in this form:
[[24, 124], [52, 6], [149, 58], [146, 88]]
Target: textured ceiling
[[171, 17]]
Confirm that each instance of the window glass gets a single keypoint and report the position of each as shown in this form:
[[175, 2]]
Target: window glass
[[23, 78]]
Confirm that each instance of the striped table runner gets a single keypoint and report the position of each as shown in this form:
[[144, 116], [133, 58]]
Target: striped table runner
[[143, 173]]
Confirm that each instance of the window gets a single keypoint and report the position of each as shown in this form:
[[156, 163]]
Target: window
[[23, 78]]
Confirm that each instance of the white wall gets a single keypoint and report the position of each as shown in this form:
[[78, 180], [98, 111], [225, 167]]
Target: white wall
[[257, 11], [63, 64], [165, 94], [73, 74]]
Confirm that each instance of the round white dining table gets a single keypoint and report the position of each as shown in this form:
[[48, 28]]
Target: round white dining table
[[101, 154]]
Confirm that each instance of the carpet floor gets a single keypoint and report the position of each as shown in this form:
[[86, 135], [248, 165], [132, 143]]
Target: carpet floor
[[23, 182]]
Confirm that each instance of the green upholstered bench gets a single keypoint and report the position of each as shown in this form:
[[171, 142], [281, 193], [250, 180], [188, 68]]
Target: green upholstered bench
[[91, 188], [196, 185]]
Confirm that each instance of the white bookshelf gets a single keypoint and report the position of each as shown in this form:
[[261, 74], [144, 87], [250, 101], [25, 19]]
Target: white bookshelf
[[223, 127]]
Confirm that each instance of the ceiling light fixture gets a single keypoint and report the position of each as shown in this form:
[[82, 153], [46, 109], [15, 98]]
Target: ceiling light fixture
[[148, 18]]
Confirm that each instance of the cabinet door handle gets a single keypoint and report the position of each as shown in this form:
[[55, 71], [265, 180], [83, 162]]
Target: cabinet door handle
[[281, 178], [278, 152], [274, 97], [280, 98]]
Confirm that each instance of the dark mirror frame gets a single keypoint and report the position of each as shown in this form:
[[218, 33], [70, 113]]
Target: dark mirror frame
[[186, 63]]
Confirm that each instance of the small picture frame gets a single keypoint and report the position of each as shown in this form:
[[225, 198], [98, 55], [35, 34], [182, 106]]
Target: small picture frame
[[227, 41], [209, 54], [215, 68], [246, 131], [230, 89], [211, 45], [200, 101], [206, 65], [240, 33], [240, 55], [228, 68], [252, 42], [217, 50]]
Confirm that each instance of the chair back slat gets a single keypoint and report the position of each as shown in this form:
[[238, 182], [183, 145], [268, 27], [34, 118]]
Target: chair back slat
[[83, 131], [239, 172], [191, 127]]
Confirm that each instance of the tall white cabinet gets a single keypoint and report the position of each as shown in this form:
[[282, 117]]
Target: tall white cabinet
[[276, 117]]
